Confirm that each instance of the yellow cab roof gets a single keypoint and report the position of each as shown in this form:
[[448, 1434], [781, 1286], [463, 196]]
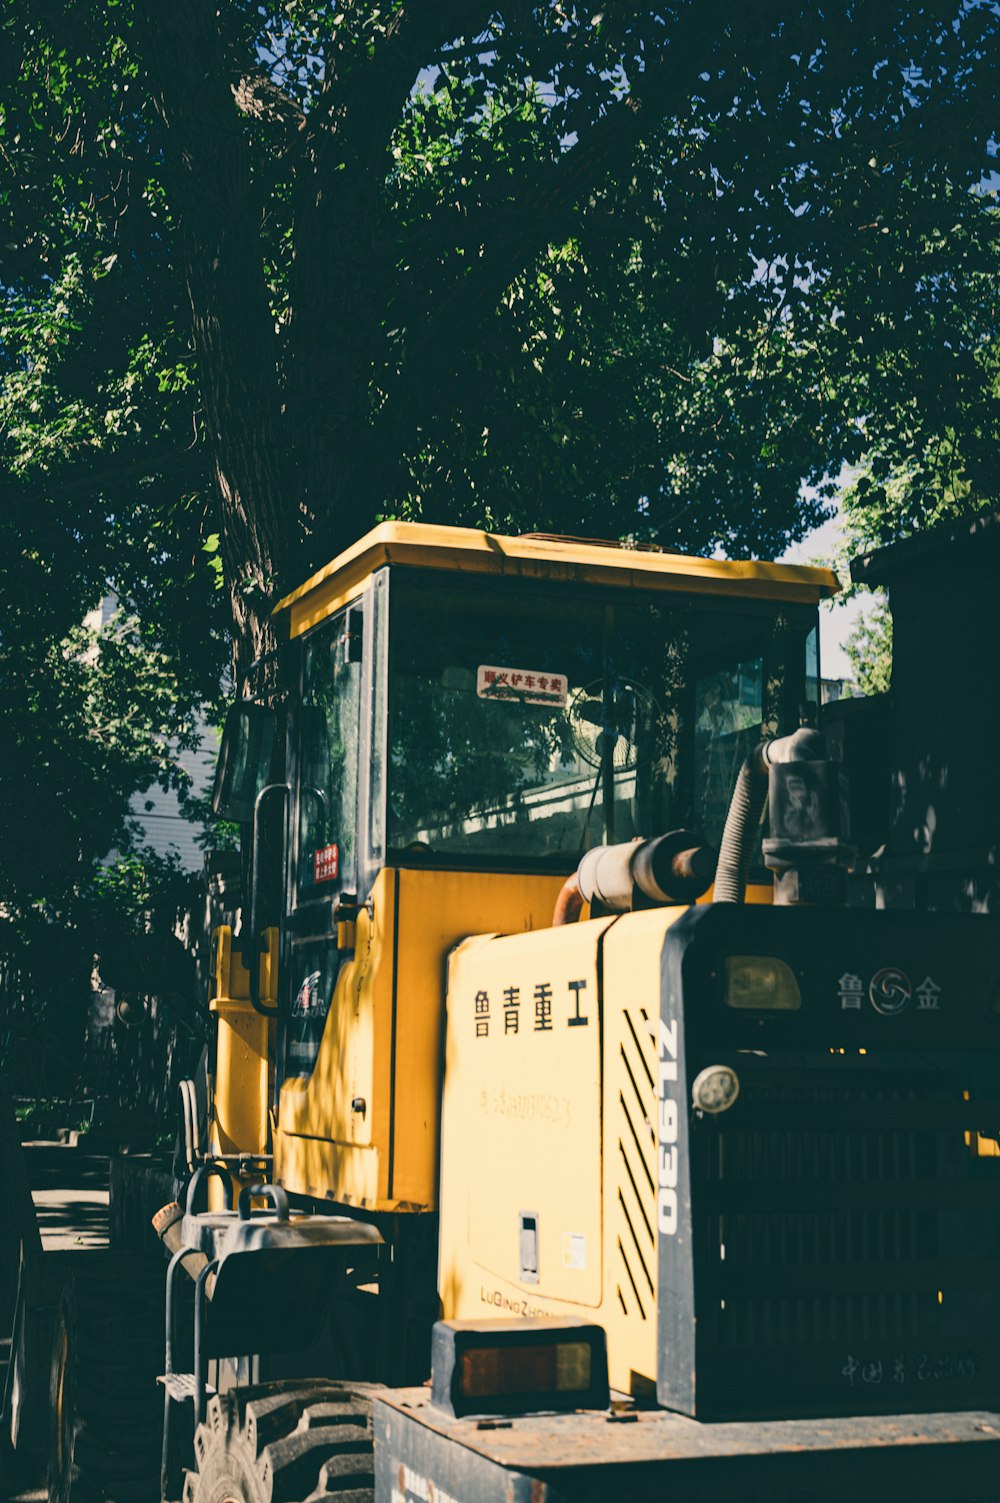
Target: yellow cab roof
[[539, 556]]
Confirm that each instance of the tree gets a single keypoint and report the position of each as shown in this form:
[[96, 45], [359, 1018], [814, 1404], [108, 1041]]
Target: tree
[[869, 647], [272, 274], [933, 460], [528, 265]]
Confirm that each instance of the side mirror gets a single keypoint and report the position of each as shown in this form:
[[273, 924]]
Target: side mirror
[[244, 763]]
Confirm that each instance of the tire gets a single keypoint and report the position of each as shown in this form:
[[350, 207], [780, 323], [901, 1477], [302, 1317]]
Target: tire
[[285, 1442], [105, 1408]]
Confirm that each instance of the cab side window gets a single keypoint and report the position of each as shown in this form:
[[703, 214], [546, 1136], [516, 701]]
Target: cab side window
[[328, 738]]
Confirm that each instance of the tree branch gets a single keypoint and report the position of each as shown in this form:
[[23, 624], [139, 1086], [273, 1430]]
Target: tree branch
[[260, 97], [80, 482]]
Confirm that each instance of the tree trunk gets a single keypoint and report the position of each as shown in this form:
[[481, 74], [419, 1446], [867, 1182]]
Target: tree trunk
[[232, 325]]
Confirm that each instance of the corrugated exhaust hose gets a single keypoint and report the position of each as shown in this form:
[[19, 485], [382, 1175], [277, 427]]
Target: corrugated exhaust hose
[[747, 806]]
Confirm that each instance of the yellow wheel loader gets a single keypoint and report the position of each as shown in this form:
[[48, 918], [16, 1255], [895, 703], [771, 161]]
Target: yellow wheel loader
[[554, 1085]]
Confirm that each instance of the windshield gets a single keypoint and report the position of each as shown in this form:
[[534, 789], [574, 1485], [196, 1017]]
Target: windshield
[[535, 724]]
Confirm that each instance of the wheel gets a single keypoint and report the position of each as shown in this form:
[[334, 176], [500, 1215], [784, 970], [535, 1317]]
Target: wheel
[[105, 1409], [284, 1442]]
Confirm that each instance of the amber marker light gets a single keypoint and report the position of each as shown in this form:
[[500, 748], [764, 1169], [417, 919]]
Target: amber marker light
[[518, 1366], [761, 983], [561, 1367]]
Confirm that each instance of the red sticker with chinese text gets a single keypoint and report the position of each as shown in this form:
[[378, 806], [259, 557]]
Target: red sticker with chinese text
[[527, 686], [326, 863]]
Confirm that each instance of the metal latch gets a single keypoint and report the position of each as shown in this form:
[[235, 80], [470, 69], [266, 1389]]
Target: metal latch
[[528, 1221]]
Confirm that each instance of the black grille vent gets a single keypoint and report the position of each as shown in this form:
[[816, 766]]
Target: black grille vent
[[846, 1239]]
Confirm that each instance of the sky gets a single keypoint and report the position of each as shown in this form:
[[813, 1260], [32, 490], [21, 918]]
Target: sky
[[836, 620]]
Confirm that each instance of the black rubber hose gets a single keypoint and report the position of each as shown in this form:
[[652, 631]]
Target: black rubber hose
[[745, 810], [747, 805]]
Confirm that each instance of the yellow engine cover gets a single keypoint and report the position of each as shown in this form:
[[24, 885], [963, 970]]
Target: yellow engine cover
[[548, 1148]]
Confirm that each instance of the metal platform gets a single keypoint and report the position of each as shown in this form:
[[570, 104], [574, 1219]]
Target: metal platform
[[650, 1456]]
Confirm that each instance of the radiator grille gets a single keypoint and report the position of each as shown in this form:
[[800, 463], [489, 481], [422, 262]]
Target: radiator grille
[[845, 1234]]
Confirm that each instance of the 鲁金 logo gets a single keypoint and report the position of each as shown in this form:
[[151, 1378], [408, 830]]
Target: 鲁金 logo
[[890, 991]]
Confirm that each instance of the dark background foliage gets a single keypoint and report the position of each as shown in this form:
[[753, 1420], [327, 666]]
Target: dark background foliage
[[274, 272]]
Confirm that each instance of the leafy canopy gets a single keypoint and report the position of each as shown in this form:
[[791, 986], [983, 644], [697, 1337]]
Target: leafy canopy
[[642, 270], [272, 272]]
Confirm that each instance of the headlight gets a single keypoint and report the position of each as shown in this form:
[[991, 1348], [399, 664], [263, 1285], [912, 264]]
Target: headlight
[[715, 1089], [761, 983]]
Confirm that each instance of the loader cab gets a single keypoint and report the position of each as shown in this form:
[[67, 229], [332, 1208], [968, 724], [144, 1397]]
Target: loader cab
[[456, 715], [502, 723], [468, 715]]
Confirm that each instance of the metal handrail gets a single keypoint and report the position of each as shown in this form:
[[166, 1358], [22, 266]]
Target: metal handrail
[[252, 959]]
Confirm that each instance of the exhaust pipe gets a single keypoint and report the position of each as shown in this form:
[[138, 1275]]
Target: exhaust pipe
[[673, 869], [807, 850]]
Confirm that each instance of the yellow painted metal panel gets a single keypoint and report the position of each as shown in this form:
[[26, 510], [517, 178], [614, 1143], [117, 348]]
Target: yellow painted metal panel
[[383, 1034], [319, 1105], [436, 910], [347, 1173], [494, 1165], [230, 977], [632, 982], [331, 596], [244, 1048], [757, 892], [461, 550], [240, 1121], [524, 1086]]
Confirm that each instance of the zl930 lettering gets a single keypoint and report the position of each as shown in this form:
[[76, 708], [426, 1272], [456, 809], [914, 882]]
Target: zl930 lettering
[[669, 1127]]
